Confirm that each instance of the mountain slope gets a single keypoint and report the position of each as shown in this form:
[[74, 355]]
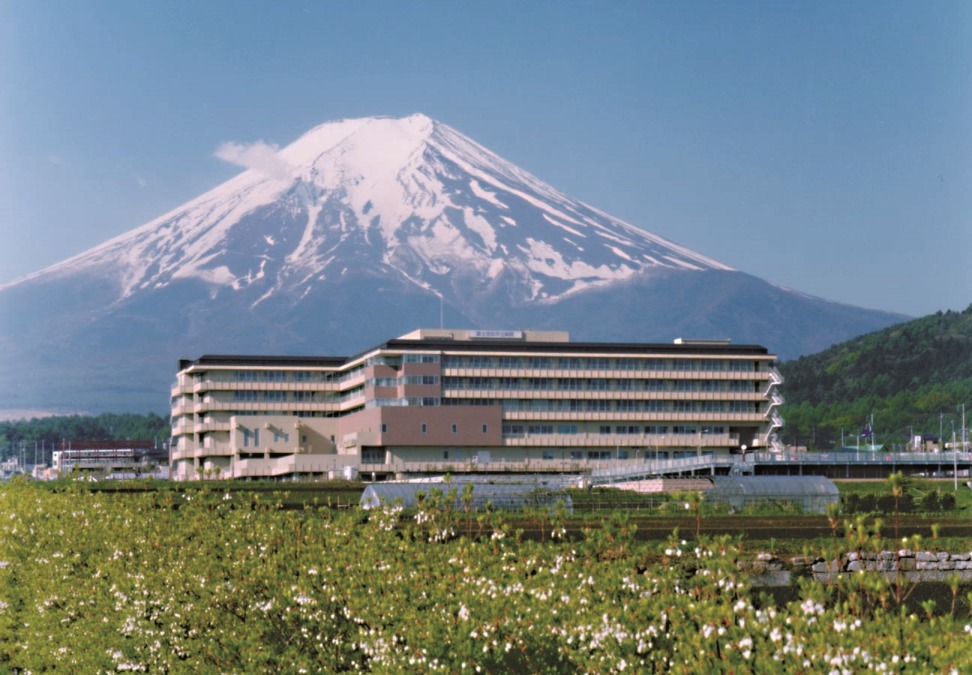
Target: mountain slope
[[359, 231], [911, 376]]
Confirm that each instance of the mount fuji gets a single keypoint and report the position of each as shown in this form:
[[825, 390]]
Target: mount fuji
[[359, 231]]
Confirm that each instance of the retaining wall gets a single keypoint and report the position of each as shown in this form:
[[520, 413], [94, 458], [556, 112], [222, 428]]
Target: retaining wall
[[905, 566]]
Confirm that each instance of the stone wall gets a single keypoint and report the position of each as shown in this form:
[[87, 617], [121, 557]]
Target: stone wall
[[905, 566]]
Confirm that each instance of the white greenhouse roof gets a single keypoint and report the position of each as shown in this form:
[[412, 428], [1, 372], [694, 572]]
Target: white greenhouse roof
[[510, 496], [772, 486]]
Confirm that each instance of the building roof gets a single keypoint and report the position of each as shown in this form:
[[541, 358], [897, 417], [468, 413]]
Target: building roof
[[476, 344]]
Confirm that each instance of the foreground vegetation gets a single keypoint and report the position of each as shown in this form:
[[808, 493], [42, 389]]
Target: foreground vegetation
[[208, 580]]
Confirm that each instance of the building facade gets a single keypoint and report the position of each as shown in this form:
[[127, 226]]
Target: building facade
[[471, 400]]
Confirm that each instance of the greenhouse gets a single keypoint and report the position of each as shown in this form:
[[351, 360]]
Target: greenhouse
[[505, 496], [810, 494]]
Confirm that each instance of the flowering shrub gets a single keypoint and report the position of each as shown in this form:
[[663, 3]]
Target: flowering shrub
[[228, 582]]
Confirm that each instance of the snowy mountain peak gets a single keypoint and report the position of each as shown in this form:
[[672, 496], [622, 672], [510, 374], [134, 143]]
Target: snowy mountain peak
[[409, 197], [359, 230]]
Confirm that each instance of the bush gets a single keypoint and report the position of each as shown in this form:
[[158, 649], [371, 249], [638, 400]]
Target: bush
[[930, 501], [887, 504]]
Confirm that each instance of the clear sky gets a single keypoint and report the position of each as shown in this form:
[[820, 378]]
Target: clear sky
[[822, 146]]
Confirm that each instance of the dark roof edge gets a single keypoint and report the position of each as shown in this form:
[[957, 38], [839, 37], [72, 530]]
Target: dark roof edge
[[632, 348]]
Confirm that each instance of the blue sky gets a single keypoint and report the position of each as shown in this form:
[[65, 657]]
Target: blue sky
[[822, 146]]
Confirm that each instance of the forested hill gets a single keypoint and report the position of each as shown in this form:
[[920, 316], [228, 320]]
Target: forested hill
[[46, 433], [912, 376]]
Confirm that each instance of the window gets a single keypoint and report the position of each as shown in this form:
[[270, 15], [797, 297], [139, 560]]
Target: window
[[420, 358], [605, 429], [384, 428], [598, 363], [275, 396], [548, 454], [540, 429], [598, 454], [455, 428], [622, 454], [484, 428], [445, 454], [425, 427], [566, 428], [576, 455], [372, 456]]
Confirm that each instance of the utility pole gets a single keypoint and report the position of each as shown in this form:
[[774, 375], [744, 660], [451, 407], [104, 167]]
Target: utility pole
[[954, 459], [965, 438], [941, 420]]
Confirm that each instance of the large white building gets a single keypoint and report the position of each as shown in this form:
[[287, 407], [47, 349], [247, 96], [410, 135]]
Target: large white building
[[471, 400]]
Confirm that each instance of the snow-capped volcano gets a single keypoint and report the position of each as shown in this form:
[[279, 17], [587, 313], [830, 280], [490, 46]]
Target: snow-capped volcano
[[358, 231], [412, 195]]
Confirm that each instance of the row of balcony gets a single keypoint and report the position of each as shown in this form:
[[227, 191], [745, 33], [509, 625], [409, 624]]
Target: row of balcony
[[641, 441], [555, 372], [200, 385], [621, 416], [604, 394], [187, 407]]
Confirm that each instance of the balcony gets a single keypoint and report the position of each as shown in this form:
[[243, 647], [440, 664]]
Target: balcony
[[626, 441], [617, 416]]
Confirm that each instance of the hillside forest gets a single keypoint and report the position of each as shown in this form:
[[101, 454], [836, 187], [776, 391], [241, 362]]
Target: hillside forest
[[38, 437], [913, 378]]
